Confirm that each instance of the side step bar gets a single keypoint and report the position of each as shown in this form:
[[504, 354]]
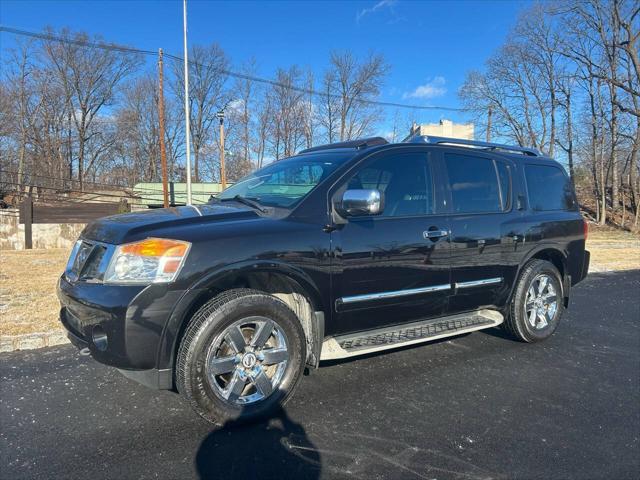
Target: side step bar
[[361, 343]]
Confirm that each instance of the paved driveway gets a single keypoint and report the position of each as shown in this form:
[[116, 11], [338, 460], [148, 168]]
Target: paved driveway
[[478, 406]]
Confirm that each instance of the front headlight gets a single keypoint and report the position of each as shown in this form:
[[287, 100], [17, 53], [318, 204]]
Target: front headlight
[[153, 260]]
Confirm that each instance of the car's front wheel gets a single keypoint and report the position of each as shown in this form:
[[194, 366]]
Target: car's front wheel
[[241, 356]]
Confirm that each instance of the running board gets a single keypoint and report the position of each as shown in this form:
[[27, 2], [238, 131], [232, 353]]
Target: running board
[[361, 343]]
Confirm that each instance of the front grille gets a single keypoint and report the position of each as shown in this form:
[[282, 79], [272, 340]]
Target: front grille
[[88, 262], [91, 268], [82, 255]]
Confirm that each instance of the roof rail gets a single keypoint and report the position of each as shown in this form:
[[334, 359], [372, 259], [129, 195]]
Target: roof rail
[[357, 144], [474, 143]]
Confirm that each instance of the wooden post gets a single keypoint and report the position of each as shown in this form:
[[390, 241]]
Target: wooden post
[[27, 212], [172, 194], [223, 174], [163, 152]]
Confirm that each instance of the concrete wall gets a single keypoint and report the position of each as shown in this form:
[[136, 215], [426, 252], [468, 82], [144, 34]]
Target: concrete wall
[[45, 235]]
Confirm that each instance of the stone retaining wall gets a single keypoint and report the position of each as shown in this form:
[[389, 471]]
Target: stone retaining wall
[[45, 235]]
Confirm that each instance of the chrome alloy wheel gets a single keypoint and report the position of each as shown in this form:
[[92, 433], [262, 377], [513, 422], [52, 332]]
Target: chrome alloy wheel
[[541, 304], [247, 361]]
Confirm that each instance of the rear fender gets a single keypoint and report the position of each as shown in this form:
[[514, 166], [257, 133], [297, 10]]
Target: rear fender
[[533, 253]]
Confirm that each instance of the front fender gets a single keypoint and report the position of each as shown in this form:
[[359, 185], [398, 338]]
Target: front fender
[[201, 291]]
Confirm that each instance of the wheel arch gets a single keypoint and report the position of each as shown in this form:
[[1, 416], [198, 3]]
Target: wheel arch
[[551, 253], [290, 284]]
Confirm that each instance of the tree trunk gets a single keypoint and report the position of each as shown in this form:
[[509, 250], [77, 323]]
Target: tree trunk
[[196, 165], [569, 137], [552, 136], [615, 182], [633, 162], [81, 160]]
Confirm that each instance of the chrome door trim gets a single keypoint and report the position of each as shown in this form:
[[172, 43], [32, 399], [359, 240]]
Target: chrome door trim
[[478, 283], [393, 294]]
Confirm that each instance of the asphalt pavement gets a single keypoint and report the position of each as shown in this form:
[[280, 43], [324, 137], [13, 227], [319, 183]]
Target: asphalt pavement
[[478, 406]]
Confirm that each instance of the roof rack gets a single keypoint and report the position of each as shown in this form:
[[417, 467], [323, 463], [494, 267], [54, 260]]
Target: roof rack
[[474, 143], [357, 144]]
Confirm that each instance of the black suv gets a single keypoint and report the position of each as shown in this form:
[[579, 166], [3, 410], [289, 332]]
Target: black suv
[[339, 251]]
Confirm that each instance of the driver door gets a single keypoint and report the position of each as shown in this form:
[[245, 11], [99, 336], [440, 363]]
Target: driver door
[[388, 268]]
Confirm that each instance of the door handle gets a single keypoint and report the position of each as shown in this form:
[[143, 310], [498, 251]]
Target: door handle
[[434, 234]]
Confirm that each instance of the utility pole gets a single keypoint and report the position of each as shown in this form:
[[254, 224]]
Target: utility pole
[[489, 113], [223, 174], [187, 119], [163, 152]]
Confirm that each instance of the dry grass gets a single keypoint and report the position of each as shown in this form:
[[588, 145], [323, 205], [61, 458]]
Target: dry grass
[[613, 249], [28, 302]]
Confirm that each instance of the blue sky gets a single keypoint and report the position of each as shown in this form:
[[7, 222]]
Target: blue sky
[[429, 44]]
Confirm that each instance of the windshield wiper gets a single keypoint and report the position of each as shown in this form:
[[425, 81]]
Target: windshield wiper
[[244, 200]]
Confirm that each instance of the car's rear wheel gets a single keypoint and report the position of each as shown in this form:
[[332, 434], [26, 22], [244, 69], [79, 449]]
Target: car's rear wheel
[[241, 356], [537, 303]]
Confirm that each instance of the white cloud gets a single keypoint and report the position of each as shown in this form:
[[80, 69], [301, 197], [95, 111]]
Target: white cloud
[[236, 104], [377, 7], [432, 89]]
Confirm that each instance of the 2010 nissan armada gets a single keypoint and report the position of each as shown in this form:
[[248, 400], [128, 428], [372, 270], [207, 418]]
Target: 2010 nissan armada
[[339, 251]]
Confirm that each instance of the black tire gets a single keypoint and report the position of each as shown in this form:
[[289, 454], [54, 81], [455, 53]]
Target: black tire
[[208, 325], [518, 322]]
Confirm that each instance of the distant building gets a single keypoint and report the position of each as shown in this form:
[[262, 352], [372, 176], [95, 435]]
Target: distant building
[[444, 128]]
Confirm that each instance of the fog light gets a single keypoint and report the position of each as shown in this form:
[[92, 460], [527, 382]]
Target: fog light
[[99, 338]]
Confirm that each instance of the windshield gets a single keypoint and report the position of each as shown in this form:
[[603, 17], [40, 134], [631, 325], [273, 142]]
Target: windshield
[[283, 183]]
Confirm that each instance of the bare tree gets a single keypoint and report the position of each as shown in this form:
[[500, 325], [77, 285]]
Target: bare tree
[[207, 77], [536, 30], [138, 129], [286, 105], [329, 107], [567, 76], [264, 121], [90, 77], [241, 121], [565, 93], [352, 83]]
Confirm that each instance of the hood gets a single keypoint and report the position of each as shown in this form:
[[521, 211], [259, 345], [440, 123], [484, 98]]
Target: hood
[[117, 229]]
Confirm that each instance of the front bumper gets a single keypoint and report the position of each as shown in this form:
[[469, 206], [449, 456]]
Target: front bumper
[[121, 326]]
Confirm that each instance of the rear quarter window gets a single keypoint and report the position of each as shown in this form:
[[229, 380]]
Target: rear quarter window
[[474, 184], [549, 188]]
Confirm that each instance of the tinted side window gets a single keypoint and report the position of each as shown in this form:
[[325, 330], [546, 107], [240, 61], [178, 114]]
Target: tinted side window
[[405, 181], [504, 176], [549, 188], [473, 183]]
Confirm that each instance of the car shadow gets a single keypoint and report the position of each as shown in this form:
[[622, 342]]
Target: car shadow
[[499, 332], [277, 447]]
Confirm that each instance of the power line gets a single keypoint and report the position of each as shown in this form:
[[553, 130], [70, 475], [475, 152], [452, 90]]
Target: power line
[[81, 43], [230, 73]]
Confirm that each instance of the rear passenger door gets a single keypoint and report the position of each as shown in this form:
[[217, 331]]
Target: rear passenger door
[[480, 206]]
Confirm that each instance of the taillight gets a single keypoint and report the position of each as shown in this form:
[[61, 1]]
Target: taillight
[[585, 227]]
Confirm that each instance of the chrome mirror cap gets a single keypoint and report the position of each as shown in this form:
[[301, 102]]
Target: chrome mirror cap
[[361, 202]]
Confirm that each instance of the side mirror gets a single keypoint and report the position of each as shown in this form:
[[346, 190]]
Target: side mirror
[[361, 202]]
